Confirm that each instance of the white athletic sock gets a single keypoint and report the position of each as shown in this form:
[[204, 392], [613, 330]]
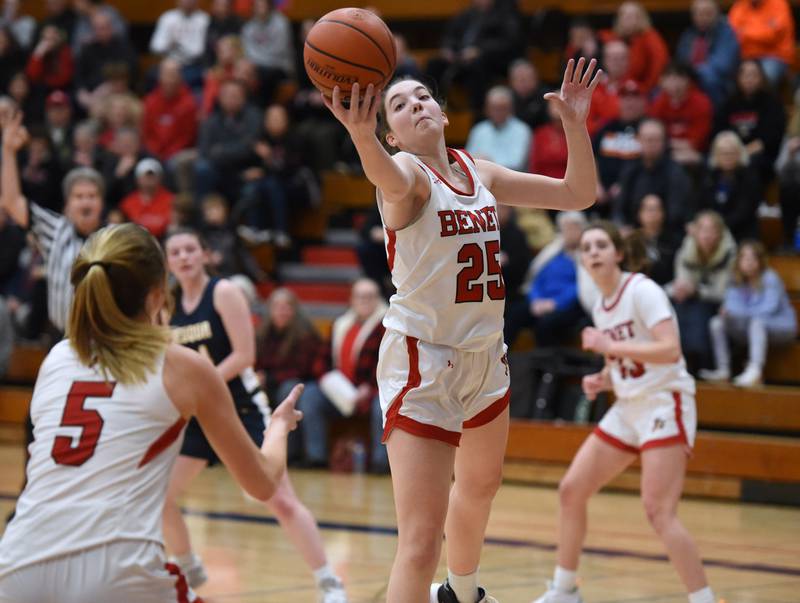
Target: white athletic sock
[[323, 573], [465, 587], [704, 595], [564, 580]]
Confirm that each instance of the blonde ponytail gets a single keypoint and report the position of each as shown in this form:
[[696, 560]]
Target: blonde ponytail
[[108, 325]]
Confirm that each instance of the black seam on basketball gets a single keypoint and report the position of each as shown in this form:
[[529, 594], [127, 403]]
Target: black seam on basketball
[[341, 60], [363, 33]]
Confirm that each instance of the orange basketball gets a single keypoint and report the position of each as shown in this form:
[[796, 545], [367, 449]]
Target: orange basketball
[[346, 46]]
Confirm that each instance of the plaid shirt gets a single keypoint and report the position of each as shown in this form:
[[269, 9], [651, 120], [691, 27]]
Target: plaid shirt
[[366, 364], [299, 363]]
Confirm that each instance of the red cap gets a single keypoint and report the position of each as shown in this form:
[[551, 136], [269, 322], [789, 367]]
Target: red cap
[[630, 88], [57, 97]]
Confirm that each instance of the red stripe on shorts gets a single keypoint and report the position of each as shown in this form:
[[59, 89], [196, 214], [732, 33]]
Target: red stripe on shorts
[[181, 586], [164, 441], [680, 438], [490, 413], [615, 442]]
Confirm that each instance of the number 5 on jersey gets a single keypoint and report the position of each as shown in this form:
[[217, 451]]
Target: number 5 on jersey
[[468, 287], [75, 415]]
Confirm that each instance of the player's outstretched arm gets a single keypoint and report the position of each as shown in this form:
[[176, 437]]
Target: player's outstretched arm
[[400, 182], [196, 388], [578, 189], [15, 136]]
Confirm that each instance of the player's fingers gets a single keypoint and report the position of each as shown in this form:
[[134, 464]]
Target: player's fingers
[[366, 103], [337, 101], [569, 71], [595, 79], [576, 76], [588, 73], [354, 98]]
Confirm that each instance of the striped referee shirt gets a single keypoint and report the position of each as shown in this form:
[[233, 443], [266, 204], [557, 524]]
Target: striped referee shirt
[[60, 244]]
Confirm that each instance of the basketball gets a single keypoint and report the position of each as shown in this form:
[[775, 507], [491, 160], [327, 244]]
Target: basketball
[[346, 46]]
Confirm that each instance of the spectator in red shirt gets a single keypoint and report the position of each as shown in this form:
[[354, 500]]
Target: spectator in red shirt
[[228, 52], [605, 102], [548, 154], [686, 112], [169, 124], [350, 359], [648, 51], [150, 205], [51, 64]]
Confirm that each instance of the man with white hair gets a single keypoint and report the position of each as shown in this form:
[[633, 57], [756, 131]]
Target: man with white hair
[[501, 138], [552, 308]]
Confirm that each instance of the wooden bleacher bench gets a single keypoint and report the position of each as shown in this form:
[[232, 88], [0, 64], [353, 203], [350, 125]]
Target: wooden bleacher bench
[[346, 191], [788, 268], [783, 364], [14, 402], [24, 363], [772, 408]]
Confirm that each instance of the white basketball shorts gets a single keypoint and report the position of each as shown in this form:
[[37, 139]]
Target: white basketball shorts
[[661, 419], [117, 572], [436, 391]]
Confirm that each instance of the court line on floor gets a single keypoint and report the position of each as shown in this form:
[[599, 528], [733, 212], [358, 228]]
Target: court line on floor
[[764, 568]]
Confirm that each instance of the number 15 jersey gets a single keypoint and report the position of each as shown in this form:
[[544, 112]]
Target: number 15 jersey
[[638, 305], [446, 265]]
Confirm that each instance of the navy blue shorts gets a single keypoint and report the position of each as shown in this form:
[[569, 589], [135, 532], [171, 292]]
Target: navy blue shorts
[[196, 445]]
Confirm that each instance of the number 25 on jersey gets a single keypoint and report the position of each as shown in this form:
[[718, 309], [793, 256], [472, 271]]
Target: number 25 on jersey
[[468, 287]]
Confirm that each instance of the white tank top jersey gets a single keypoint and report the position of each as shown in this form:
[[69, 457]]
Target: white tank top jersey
[[100, 462], [638, 305], [446, 265]]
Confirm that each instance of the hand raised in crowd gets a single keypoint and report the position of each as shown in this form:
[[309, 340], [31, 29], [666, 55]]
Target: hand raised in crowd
[[15, 135]]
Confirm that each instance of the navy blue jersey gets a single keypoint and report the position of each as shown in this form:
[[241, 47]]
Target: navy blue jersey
[[203, 330]]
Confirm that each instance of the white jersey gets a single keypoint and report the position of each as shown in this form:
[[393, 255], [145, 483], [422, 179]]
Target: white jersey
[[638, 305], [100, 462], [446, 266]]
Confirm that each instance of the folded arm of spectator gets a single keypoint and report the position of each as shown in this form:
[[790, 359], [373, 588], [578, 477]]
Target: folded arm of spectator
[[15, 136]]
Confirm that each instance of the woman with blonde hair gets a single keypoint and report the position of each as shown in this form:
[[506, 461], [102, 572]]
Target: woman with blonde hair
[[756, 312], [731, 187], [109, 408], [703, 267]]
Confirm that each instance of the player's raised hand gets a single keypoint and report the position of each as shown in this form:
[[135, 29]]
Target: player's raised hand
[[15, 136], [361, 117], [286, 416], [575, 97]]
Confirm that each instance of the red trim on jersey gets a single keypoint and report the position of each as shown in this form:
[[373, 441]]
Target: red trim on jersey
[[615, 442], [391, 245], [490, 413], [453, 154], [164, 441], [680, 438], [619, 293], [471, 158], [424, 430], [181, 586]]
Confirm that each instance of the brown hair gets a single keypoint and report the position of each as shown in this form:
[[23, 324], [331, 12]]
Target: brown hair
[[761, 255], [632, 246], [298, 328], [113, 274]]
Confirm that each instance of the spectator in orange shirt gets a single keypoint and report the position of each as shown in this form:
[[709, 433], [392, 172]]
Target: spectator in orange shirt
[[686, 113], [648, 51], [605, 102], [150, 205], [765, 29]]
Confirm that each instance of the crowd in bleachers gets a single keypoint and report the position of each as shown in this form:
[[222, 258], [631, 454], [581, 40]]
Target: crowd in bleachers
[[215, 125]]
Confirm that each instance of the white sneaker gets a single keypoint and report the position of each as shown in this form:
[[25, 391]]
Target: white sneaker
[[750, 377], [194, 572], [555, 596], [442, 593], [716, 375], [331, 590]]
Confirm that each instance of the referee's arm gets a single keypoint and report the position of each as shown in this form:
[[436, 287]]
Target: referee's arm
[[11, 199]]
